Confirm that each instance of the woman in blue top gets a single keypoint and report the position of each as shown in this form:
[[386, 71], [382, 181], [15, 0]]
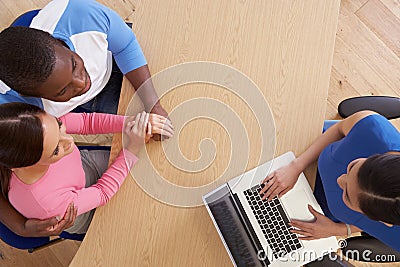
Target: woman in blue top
[[359, 164]]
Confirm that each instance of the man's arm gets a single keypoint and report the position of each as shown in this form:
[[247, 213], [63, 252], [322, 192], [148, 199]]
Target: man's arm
[[32, 227], [130, 59], [125, 49], [147, 92], [10, 217]]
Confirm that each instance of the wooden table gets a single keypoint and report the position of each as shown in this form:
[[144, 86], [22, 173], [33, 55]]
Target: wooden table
[[285, 47]]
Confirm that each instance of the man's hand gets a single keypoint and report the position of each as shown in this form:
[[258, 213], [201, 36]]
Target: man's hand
[[158, 109], [52, 226], [140, 78], [321, 227]]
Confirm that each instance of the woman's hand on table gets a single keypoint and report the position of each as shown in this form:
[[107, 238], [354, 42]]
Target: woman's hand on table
[[280, 181], [321, 227], [161, 125], [137, 132]]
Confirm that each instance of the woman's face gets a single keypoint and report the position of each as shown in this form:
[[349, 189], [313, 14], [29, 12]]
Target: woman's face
[[56, 143], [348, 182]]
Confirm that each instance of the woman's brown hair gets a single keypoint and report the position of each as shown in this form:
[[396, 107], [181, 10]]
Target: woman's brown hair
[[21, 139], [379, 181]]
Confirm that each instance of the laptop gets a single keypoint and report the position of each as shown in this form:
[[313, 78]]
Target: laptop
[[255, 232]]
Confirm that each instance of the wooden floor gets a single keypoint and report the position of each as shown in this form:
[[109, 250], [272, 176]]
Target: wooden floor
[[367, 52], [366, 62]]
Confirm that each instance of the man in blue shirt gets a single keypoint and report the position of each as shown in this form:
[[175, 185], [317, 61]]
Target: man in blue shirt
[[65, 58]]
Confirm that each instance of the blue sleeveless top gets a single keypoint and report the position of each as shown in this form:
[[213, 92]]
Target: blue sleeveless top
[[372, 135]]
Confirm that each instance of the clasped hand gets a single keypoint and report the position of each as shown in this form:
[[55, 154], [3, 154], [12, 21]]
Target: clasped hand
[[159, 110], [140, 129]]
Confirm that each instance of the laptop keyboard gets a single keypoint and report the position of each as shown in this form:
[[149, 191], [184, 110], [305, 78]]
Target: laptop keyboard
[[273, 222]]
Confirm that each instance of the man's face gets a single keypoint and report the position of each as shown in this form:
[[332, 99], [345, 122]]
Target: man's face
[[68, 79]]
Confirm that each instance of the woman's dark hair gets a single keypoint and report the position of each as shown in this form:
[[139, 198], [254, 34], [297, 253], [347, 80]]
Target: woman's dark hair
[[21, 139], [27, 58], [379, 181]]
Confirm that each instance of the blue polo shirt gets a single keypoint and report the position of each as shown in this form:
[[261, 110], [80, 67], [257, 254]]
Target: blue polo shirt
[[372, 135]]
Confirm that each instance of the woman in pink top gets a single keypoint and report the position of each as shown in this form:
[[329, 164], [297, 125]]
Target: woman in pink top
[[42, 171]]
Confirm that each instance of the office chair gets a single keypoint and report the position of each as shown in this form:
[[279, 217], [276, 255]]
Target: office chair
[[389, 107], [33, 243], [25, 19]]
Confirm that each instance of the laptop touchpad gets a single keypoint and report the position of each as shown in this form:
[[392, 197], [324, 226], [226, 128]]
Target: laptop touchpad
[[296, 202]]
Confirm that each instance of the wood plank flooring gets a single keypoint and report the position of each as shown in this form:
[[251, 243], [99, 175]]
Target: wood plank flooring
[[366, 62], [59, 254]]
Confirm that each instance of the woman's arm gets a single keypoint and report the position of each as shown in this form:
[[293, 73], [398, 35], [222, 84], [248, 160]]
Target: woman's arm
[[282, 180], [109, 183], [101, 123], [32, 227], [100, 193], [333, 134], [93, 123], [321, 227]]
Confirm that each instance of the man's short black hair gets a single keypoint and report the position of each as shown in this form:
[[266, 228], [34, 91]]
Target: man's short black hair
[[27, 58]]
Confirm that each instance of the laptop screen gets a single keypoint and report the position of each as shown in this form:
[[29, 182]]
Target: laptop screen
[[234, 230]]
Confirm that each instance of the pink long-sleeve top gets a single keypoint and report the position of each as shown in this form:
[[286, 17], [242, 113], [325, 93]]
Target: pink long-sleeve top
[[64, 182]]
